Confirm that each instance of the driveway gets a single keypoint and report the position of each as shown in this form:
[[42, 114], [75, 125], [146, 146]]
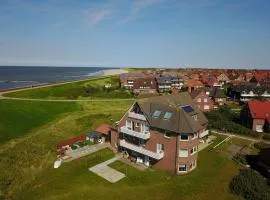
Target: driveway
[[106, 172]]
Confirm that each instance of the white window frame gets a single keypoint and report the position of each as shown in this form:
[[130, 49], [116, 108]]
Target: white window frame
[[199, 100], [183, 153], [182, 165], [206, 107], [205, 100], [129, 124], [182, 139]]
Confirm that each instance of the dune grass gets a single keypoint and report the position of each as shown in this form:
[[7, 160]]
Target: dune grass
[[19, 117], [92, 88]]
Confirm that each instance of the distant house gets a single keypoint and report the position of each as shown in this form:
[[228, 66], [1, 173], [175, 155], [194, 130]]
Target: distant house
[[256, 115], [248, 91], [202, 100], [166, 83], [223, 78], [210, 81], [218, 96], [193, 85], [127, 79], [145, 85]]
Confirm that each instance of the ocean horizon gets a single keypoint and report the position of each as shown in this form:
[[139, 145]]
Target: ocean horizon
[[27, 76]]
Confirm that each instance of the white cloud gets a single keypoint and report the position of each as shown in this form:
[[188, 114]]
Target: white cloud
[[96, 16], [137, 6]]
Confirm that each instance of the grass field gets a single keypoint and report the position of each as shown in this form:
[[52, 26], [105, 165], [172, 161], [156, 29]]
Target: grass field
[[74, 181], [26, 163], [92, 88], [19, 117]]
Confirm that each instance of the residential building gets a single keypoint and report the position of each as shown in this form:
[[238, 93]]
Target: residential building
[[163, 132], [127, 79], [166, 83], [256, 115], [145, 85], [193, 85], [248, 91], [223, 78], [218, 96], [202, 100]]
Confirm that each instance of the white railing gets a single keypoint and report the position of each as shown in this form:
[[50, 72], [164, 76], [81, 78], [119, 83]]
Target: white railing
[[141, 150], [205, 133], [164, 86], [145, 135], [136, 116]]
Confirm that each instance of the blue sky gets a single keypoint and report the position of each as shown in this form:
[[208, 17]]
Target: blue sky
[[138, 33]]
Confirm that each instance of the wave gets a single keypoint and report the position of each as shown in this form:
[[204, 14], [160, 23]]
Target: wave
[[97, 73]]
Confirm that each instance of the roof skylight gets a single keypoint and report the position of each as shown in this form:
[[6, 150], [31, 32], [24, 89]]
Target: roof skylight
[[156, 113], [168, 115]]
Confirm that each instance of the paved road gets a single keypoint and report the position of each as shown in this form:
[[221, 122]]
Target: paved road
[[241, 137]]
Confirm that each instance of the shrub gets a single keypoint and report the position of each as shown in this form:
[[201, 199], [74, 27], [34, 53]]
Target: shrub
[[261, 145], [250, 185], [266, 137]]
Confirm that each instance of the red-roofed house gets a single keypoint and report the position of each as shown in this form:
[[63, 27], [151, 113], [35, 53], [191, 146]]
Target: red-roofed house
[[256, 115], [193, 85]]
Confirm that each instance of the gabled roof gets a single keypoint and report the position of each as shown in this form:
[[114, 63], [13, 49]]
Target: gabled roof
[[259, 109], [180, 121], [217, 93]]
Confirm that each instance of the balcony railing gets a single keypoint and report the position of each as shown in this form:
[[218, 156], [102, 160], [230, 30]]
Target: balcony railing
[[141, 150], [136, 116], [145, 135], [205, 133]]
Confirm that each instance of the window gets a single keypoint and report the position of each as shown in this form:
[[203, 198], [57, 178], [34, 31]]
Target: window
[[199, 100], [137, 124], [187, 108], [259, 128], [167, 134], [160, 148], [183, 153], [206, 107], [182, 168], [128, 124], [184, 137], [193, 150], [205, 100], [193, 136], [168, 115], [156, 113]]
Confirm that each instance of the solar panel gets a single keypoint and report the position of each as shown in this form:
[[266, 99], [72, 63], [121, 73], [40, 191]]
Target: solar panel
[[157, 113], [168, 115], [187, 108]]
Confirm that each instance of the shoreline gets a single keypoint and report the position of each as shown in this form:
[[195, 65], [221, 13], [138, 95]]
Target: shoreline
[[105, 73]]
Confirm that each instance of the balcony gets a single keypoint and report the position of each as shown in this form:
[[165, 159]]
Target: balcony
[[205, 133], [136, 116], [145, 135], [141, 150]]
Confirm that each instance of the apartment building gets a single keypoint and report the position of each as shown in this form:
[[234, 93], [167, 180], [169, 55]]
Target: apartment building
[[163, 132]]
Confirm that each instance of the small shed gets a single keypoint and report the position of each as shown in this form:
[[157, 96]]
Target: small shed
[[104, 130]]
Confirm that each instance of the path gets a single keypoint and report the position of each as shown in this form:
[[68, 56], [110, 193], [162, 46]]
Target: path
[[84, 151], [106, 172], [64, 100], [241, 137]]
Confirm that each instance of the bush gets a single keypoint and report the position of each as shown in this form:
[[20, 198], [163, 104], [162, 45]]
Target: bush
[[250, 185], [266, 137], [261, 145], [225, 119]]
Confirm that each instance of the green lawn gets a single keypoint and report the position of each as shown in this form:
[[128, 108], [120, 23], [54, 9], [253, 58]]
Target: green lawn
[[19, 117], [92, 88]]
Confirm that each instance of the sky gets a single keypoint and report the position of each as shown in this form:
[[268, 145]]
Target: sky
[[136, 33]]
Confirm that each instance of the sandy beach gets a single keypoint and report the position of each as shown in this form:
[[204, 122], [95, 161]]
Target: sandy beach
[[111, 72]]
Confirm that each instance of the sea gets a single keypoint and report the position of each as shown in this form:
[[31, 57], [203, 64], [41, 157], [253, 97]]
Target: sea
[[19, 76]]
